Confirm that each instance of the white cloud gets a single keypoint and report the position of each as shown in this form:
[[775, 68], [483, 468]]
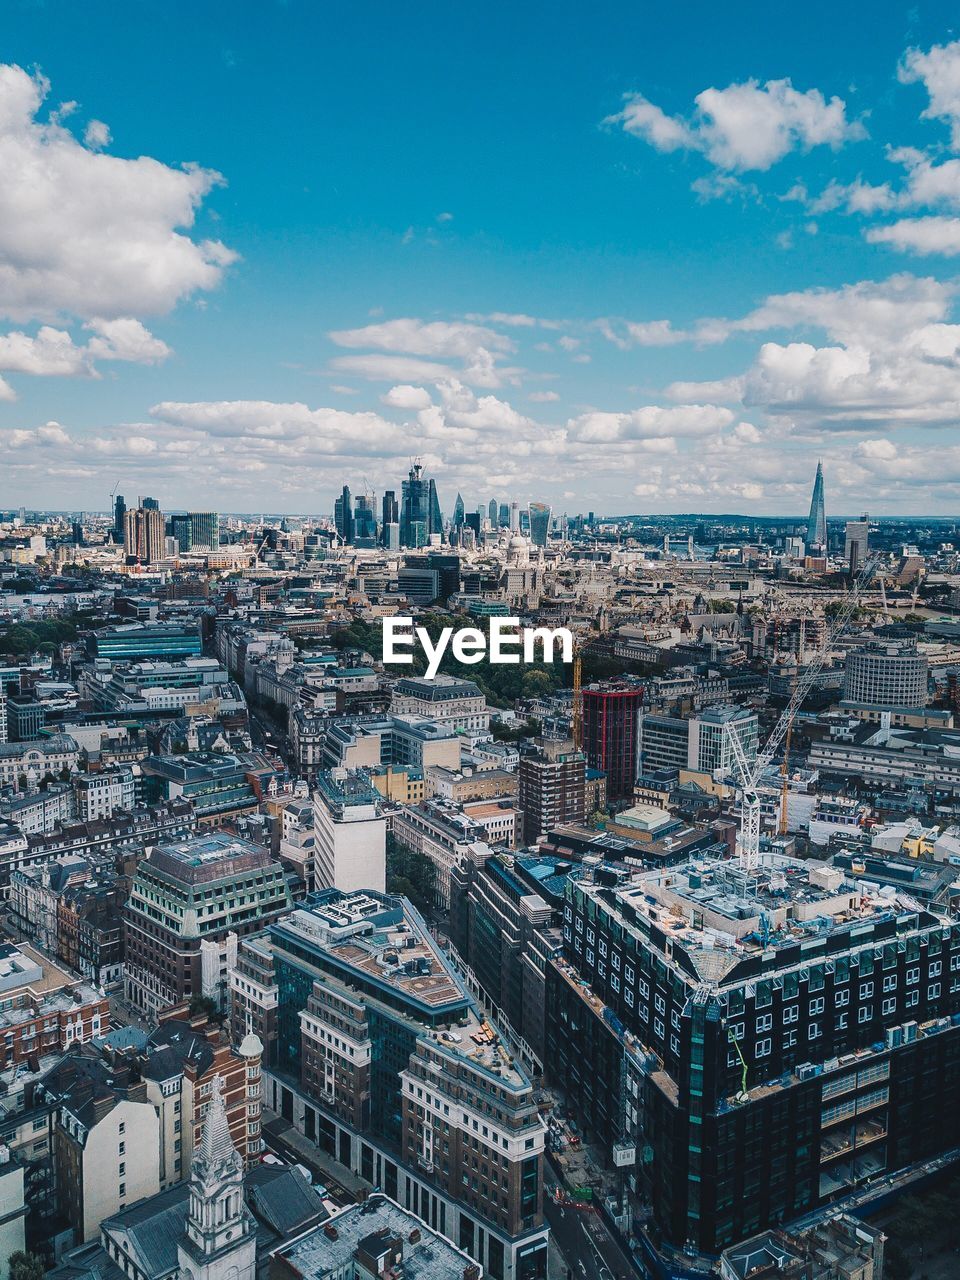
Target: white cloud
[[936, 234], [52, 353], [97, 135], [125, 339], [436, 338], [87, 234], [377, 368], [543, 397], [407, 397], [746, 126], [651, 422], [939, 71]]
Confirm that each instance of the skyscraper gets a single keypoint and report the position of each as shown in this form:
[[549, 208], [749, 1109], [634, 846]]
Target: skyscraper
[[390, 510], [413, 508], [150, 504], [611, 735], [181, 528], [856, 543], [343, 515], [504, 515], [205, 529], [492, 509], [817, 520], [119, 511], [365, 518], [435, 516], [458, 510], [144, 530], [539, 523]]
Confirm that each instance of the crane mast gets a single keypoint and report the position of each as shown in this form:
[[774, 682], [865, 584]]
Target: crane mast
[[748, 775]]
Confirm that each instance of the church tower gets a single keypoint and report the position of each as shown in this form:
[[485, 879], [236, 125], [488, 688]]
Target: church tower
[[220, 1241]]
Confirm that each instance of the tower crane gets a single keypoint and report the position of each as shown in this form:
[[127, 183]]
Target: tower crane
[[748, 774]]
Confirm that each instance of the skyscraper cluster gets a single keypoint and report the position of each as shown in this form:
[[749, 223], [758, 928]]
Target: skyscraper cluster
[[144, 531]]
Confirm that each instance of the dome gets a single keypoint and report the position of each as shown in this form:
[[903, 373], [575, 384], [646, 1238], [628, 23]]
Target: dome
[[251, 1046]]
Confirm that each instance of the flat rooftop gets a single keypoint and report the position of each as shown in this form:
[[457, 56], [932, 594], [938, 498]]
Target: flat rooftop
[[370, 1228]]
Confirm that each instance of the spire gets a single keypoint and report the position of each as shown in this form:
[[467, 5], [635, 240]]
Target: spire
[[817, 520], [216, 1145]]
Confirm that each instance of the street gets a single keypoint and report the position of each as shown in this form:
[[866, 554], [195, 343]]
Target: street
[[582, 1237]]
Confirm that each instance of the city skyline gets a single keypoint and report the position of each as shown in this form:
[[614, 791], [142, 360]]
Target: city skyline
[[752, 269]]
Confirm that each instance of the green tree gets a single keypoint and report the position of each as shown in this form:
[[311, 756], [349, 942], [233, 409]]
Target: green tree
[[25, 1266]]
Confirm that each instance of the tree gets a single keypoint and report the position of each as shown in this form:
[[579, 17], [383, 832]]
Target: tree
[[25, 1266]]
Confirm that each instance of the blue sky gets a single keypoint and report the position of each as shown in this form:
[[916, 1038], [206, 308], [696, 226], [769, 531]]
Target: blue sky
[[606, 256]]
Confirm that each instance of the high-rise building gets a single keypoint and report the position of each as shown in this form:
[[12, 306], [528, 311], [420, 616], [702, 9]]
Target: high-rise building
[[181, 529], [504, 520], [343, 516], [856, 543], [766, 1036], [205, 529], [144, 531], [383, 1059], [552, 788], [365, 518], [150, 504], [492, 512], [886, 673], [539, 523], [390, 510], [817, 519], [610, 735], [414, 508], [514, 517], [435, 515], [458, 510], [350, 834], [119, 511]]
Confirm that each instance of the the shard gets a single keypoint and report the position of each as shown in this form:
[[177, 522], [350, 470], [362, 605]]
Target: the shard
[[817, 520]]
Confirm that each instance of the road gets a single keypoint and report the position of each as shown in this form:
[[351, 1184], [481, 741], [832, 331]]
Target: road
[[590, 1251], [279, 1146]]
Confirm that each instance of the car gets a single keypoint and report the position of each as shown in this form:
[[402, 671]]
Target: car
[[271, 1159], [304, 1173]]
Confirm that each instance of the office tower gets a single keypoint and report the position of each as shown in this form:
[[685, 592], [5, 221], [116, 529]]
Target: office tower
[[434, 514], [181, 529], [150, 504], [886, 673], [458, 510], [472, 520], [514, 517], [552, 788], [119, 511], [76, 533], [610, 735], [350, 834], [856, 543], [504, 520], [492, 512], [391, 536], [817, 520], [767, 1036], [144, 532], [343, 515], [391, 512], [365, 519], [382, 1058], [229, 884], [539, 523], [414, 508], [205, 529]]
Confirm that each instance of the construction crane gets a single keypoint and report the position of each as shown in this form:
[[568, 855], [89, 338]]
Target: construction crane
[[748, 774], [576, 720]]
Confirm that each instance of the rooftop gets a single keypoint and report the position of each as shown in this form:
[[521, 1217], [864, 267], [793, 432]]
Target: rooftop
[[371, 1229]]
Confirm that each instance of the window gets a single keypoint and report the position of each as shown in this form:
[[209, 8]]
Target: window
[[789, 1038], [913, 999], [122, 1149], [934, 969], [865, 1013], [913, 975], [763, 1047], [813, 1031], [842, 1021], [890, 982], [816, 1005], [841, 999], [889, 1005], [866, 990], [933, 991], [765, 1022], [791, 1013]]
